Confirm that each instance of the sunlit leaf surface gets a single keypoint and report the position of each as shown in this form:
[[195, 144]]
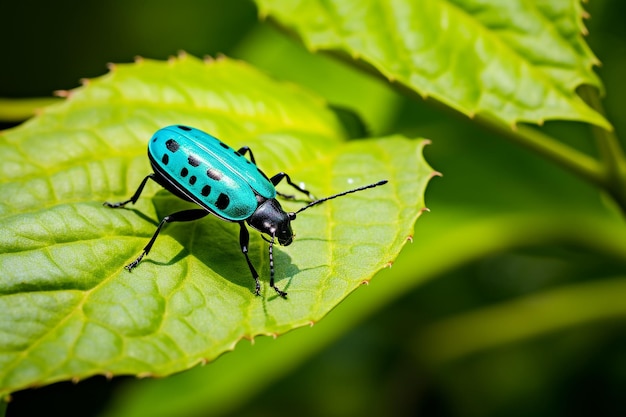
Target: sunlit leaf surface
[[71, 310], [517, 61]]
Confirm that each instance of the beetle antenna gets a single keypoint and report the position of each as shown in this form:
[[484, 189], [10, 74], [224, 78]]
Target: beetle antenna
[[321, 200]]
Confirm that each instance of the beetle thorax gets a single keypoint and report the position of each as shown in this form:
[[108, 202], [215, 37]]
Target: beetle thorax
[[270, 218]]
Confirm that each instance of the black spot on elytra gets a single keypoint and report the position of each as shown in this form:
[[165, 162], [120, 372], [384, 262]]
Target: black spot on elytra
[[184, 172], [193, 161], [172, 145], [214, 174], [192, 180], [222, 201], [165, 159], [185, 128], [223, 145], [206, 190]]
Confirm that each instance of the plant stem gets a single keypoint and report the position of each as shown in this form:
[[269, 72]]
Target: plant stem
[[610, 150], [569, 158], [17, 110]]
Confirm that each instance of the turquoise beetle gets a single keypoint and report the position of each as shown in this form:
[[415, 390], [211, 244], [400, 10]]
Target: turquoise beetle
[[200, 168]]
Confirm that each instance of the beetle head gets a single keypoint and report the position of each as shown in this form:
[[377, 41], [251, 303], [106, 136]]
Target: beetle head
[[270, 218]]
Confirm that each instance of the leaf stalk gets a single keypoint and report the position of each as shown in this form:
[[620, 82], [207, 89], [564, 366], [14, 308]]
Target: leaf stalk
[[610, 150]]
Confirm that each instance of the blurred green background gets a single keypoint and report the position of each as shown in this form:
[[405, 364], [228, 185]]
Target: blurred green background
[[505, 225]]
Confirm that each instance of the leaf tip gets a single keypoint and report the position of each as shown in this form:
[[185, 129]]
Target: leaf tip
[[220, 57], [62, 93], [84, 81], [409, 238], [208, 59], [389, 264], [75, 380], [108, 375], [365, 282], [311, 323], [143, 375], [112, 67], [419, 214], [182, 55]]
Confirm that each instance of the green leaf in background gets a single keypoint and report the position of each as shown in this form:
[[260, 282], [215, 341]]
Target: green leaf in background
[[70, 308], [516, 61]]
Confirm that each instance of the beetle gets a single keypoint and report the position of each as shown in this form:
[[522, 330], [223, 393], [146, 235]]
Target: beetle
[[198, 167]]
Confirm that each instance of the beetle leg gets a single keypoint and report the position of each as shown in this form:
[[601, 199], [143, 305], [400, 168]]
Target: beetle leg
[[244, 241], [281, 293], [279, 177], [246, 149], [135, 196], [286, 196], [180, 216]]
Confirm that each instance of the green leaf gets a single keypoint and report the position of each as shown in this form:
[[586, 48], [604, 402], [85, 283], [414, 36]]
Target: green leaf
[[70, 309], [516, 61]]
